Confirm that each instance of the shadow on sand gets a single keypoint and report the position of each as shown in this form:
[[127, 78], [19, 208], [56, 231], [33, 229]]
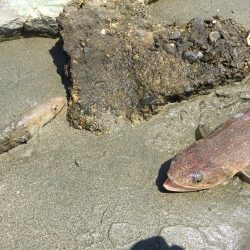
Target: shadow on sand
[[162, 176], [61, 60], [154, 243]]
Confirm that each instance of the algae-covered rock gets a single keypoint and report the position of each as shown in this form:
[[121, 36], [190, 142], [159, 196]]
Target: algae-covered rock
[[124, 66]]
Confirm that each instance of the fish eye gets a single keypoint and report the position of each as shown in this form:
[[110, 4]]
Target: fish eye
[[54, 108], [197, 177]]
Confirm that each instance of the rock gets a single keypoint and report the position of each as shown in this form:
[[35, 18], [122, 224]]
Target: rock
[[214, 36], [192, 56], [198, 34], [124, 65], [11, 23], [170, 47], [248, 40], [42, 26], [22, 17], [175, 35], [189, 89]]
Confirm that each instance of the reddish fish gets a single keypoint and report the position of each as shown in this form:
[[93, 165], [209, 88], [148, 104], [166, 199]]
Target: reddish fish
[[214, 159], [30, 124]]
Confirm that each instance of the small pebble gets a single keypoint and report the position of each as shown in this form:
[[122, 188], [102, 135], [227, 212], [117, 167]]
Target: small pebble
[[175, 35], [77, 163], [103, 31], [214, 36], [192, 56], [170, 47], [248, 40]]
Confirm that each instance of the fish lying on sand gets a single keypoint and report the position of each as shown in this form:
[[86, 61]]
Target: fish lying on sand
[[214, 159], [30, 124]]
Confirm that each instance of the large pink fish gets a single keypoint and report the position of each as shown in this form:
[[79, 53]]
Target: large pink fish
[[214, 159]]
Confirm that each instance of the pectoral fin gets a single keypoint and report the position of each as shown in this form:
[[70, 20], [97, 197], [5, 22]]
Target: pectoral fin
[[244, 175], [201, 131]]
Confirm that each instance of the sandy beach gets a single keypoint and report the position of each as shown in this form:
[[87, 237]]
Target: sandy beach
[[72, 189]]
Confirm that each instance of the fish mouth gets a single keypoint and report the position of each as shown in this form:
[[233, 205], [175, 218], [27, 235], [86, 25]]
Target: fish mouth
[[174, 187]]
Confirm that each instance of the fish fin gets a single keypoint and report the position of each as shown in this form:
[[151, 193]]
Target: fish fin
[[244, 175], [36, 135], [201, 132]]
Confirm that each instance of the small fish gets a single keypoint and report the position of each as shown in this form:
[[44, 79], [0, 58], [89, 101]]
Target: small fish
[[214, 159], [30, 124]]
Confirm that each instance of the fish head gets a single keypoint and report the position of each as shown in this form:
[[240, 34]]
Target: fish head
[[192, 172], [41, 114], [51, 108], [56, 104]]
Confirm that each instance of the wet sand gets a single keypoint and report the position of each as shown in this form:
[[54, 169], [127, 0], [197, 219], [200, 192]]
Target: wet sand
[[184, 10], [74, 190]]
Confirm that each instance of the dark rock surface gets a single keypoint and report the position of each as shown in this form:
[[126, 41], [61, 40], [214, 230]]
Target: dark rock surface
[[125, 65]]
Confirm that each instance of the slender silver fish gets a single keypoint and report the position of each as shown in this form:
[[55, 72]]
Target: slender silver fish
[[30, 123], [214, 159]]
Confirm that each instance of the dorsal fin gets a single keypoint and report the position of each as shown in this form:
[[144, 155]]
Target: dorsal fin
[[244, 175]]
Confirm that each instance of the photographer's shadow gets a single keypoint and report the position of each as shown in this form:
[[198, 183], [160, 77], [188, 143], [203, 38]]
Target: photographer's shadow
[[154, 243]]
